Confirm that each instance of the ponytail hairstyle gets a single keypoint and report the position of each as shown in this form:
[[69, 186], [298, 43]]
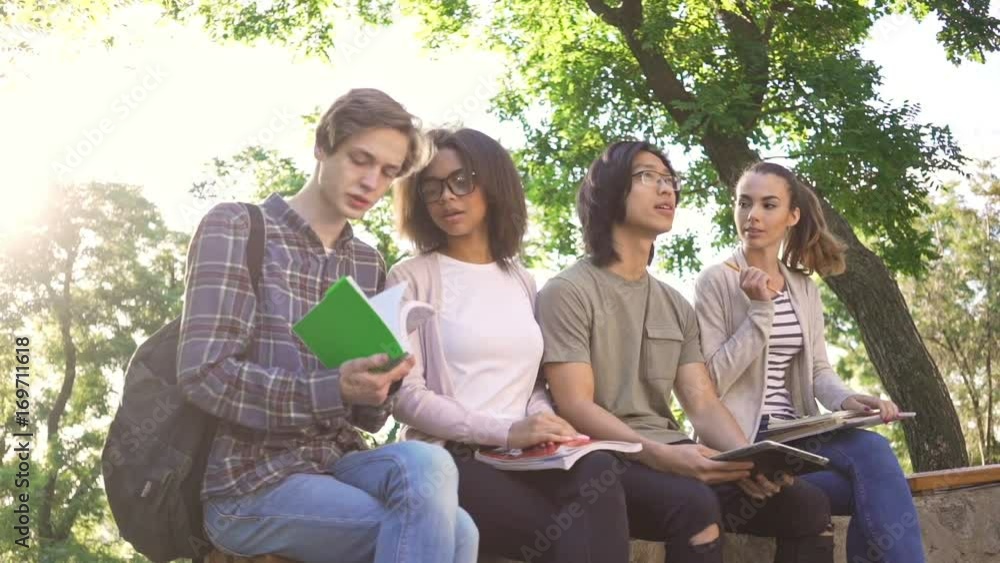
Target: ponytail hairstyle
[[809, 245]]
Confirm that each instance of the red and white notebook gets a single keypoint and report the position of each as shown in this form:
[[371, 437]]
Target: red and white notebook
[[555, 456]]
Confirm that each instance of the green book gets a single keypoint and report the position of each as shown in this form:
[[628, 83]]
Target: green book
[[346, 325]]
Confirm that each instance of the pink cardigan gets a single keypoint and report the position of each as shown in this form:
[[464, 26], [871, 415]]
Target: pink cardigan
[[426, 402]]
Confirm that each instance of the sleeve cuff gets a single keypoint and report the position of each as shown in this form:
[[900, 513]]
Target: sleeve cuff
[[566, 357], [324, 388], [839, 398], [761, 307], [490, 430]]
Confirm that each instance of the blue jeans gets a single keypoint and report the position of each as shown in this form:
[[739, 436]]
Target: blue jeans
[[866, 483], [394, 504]]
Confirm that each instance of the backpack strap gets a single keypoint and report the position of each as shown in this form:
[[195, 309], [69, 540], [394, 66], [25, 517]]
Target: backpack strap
[[255, 245]]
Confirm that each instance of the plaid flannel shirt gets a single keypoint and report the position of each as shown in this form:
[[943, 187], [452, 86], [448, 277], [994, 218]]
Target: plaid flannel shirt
[[280, 411]]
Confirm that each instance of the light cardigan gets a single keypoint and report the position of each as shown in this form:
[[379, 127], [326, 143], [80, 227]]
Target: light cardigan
[[426, 401], [734, 339]]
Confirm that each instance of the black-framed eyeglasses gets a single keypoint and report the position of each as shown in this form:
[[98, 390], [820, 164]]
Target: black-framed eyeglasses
[[460, 182]]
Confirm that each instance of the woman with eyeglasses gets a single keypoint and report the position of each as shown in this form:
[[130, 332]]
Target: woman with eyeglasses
[[762, 335], [476, 380]]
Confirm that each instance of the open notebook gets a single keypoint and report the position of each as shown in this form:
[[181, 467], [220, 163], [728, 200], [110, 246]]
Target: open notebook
[[787, 430], [346, 325], [556, 456]]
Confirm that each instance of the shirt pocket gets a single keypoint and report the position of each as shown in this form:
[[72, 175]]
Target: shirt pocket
[[661, 351]]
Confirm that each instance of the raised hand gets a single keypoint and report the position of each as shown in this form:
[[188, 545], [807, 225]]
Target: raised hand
[[754, 283]]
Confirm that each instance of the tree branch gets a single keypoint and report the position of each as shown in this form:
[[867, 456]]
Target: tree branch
[[610, 15], [660, 75], [749, 46]]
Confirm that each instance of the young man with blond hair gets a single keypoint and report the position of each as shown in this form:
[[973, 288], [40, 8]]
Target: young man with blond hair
[[289, 474]]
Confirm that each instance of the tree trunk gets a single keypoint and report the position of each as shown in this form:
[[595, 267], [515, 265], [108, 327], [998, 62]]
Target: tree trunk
[[905, 367], [63, 307], [870, 293]]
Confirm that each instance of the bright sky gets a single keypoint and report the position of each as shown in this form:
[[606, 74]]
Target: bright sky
[[165, 100]]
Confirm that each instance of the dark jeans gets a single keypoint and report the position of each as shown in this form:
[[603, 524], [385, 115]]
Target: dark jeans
[[673, 509], [555, 516], [867, 483]]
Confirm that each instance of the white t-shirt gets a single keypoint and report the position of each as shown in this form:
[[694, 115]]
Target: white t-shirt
[[491, 341]]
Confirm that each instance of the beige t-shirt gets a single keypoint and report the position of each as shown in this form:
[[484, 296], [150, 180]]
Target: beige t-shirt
[[634, 335]]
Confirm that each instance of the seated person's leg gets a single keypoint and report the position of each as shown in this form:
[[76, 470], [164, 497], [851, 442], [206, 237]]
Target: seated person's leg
[[799, 516], [308, 518], [417, 483], [594, 485], [680, 511], [528, 515], [837, 487], [882, 503], [466, 538]]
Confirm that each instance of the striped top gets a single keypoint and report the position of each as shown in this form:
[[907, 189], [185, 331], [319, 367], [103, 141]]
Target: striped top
[[783, 344]]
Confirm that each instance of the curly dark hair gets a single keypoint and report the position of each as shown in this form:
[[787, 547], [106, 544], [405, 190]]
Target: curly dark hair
[[496, 175]]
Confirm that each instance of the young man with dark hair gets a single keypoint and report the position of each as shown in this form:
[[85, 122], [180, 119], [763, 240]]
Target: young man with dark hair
[[289, 474], [618, 343]]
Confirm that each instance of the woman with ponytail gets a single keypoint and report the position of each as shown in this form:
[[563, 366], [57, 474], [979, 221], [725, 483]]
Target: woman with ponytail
[[762, 335]]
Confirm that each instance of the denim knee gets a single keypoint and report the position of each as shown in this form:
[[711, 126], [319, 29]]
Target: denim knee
[[430, 470], [466, 532], [865, 442]]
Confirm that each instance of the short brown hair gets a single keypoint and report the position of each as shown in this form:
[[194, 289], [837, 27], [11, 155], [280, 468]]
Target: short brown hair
[[809, 246], [600, 203], [361, 109], [496, 175]]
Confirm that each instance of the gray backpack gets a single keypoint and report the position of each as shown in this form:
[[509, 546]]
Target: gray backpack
[[157, 447]]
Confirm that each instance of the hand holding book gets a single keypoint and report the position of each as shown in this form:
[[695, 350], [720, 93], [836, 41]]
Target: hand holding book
[[785, 431], [365, 381], [871, 405], [366, 338]]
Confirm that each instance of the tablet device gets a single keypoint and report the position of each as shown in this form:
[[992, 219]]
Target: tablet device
[[774, 459]]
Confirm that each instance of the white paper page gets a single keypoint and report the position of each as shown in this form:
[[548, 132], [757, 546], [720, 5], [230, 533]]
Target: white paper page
[[415, 314], [387, 305]]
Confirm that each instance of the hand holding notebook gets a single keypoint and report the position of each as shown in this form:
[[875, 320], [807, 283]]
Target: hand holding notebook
[[366, 381]]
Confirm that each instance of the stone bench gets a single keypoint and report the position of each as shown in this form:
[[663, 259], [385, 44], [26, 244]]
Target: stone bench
[[959, 514]]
